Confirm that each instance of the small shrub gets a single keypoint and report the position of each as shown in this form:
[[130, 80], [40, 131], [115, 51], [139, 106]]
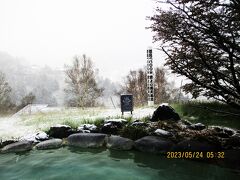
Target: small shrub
[[146, 119], [129, 119], [208, 112], [133, 133], [46, 129], [72, 124], [99, 122], [87, 121]]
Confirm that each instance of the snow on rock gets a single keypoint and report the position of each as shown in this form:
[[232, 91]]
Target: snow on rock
[[138, 123], [165, 113], [115, 121], [61, 126], [163, 133], [197, 126], [36, 137], [89, 127], [164, 104]]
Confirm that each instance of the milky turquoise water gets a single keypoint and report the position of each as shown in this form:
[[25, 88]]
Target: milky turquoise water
[[67, 163]]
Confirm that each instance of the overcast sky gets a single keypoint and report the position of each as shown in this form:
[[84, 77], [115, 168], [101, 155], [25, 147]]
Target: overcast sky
[[52, 32]]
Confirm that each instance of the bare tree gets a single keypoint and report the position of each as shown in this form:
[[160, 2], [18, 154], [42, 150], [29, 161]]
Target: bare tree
[[28, 99], [162, 87], [136, 84], [82, 89]]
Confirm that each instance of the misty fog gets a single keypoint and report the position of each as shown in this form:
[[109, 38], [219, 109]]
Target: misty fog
[[46, 83]]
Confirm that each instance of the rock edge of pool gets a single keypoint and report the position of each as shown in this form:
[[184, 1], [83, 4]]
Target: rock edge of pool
[[165, 134]]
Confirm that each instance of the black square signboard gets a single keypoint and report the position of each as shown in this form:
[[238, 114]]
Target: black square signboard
[[126, 102]]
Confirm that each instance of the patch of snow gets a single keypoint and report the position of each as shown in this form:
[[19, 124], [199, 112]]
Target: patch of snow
[[90, 127], [162, 132], [61, 125], [108, 124], [35, 137], [199, 124], [11, 128], [41, 136], [164, 104], [86, 131], [115, 120]]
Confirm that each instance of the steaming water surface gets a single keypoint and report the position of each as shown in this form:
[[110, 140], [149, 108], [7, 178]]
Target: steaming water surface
[[102, 164]]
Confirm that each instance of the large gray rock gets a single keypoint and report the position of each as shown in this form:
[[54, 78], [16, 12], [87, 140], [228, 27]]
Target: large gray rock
[[87, 128], [6, 142], [195, 145], [20, 146], [85, 140], [232, 142], [165, 112], [223, 132], [221, 129], [112, 126], [36, 137], [153, 144], [229, 131], [119, 143], [60, 131], [50, 144]]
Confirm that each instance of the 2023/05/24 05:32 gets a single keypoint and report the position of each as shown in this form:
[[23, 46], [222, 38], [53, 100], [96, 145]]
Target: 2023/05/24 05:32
[[195, 155]]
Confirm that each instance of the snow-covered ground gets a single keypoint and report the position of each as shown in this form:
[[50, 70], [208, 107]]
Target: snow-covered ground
[[21, 125], [10, 128]]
